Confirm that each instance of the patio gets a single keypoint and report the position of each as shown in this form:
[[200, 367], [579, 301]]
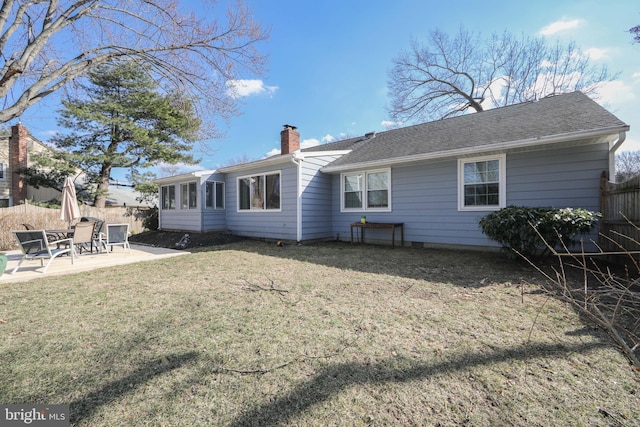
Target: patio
[[30, 270]]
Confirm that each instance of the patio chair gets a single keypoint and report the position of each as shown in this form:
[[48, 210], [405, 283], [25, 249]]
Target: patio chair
[[116, 235], [34, 245], [84, 236], [99, 227]]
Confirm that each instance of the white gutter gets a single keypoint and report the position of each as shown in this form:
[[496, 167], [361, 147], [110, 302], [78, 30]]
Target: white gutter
[[298, 162], [613, 146], [478, 148], [302, 155], [184, 176], [269, 161]]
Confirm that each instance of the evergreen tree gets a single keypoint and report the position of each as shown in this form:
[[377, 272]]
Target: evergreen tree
[[125, 121]]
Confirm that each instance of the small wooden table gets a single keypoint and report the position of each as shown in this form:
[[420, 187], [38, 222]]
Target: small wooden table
[[389, 225]]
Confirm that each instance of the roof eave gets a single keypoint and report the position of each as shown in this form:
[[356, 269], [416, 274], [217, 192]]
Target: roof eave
[[304, 154], [183, 176], [554, 139], [269, 161]]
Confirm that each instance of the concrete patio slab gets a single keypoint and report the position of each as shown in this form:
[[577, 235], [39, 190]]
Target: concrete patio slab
[[30, 270]]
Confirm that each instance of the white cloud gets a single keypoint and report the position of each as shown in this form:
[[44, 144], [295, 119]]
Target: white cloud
[[559, 26], [616, 92], [328, 138], [242, 88], [636, 75], [630, 144], [597, 53], [312, 142], [389, 124], [272, 152], [307, 143]]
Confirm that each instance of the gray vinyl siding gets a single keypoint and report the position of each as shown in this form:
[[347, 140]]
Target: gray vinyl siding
[[425, 197], [181, 219], [266, 224], [212, 219], [559, 178], [316, 199], [568, 177], [196, 220]]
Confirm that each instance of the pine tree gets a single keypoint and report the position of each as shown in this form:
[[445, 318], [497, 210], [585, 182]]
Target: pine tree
[[125, 121]]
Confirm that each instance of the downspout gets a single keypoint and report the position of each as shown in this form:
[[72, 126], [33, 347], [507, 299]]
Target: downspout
[[298, 161], [613, 146]]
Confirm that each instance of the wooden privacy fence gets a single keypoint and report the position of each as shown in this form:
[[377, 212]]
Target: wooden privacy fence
[[620, 208], [14, 217]]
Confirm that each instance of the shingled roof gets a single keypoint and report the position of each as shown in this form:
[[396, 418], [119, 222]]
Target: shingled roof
[[573, 115]]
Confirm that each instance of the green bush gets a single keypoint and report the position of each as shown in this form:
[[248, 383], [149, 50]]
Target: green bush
[[152, 220], [524, 228]]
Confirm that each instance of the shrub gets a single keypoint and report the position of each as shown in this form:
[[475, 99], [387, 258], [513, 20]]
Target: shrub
[[526, 229], [152, 220]]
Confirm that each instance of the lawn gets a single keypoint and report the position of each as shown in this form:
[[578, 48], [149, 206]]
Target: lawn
[[255, 334]]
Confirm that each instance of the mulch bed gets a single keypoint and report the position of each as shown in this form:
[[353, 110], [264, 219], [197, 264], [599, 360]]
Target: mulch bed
[[183, 240]]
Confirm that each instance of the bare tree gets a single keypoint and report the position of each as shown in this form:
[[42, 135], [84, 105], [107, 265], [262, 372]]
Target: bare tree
[[636, 33], [449, 76], [45, 44], [627, 165]]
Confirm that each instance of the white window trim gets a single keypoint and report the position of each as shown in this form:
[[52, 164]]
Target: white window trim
[[502, 184], [175, 197], [188, 207], [364, 208], [251, 210], [215, 190]]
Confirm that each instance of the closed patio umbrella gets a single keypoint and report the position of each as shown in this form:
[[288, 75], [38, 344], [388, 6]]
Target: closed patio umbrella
[[70, 210]]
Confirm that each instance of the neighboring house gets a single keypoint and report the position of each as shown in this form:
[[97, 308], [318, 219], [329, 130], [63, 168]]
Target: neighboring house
[[16, 148], [438, 178], [125, 198]]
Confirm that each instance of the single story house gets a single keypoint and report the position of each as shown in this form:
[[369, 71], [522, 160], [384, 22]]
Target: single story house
[[438, 178]]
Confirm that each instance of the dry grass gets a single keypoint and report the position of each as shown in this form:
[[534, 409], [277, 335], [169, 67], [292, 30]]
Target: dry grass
[[254, 334]]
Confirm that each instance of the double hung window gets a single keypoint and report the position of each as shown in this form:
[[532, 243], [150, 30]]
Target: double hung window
[[482, 183], [368, 190]]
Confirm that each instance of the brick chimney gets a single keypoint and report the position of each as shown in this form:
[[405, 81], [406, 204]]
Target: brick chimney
[[289, 140], [18, 159]]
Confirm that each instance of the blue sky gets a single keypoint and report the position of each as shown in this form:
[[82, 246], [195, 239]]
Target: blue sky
[[329, 63]]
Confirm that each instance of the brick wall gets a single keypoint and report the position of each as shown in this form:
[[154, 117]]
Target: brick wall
[[18, 159]]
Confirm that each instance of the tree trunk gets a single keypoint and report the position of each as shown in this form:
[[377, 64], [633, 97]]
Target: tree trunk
[[103, 187]]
